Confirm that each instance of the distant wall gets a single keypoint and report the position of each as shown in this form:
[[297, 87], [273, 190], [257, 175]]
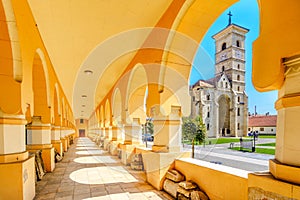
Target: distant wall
[[263, 130]]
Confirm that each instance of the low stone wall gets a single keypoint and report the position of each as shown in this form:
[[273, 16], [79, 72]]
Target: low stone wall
[[217, 181]]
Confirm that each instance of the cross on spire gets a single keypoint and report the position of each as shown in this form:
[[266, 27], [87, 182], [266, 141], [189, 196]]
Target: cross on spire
[[229, 20]]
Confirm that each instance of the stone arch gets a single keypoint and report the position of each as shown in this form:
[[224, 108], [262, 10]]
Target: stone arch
[[107, 113], [41, 87], [102, 116], [63, 111], [184, 34], [97, 113], [176, 92], [135, 94], [224, 46], [10, 101], [56, 107], [13, 39], [117, 106], [224, 114]]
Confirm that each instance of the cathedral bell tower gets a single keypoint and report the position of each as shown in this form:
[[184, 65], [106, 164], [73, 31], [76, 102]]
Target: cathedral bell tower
[[230, 62], [230, 55]]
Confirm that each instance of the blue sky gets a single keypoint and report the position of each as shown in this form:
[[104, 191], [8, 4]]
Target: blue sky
[[246, 14]]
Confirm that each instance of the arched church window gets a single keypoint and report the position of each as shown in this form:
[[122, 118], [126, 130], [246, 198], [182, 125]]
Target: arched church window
[[207, 127], [238, 88], [224, 46], [238, 77], [208, 97], [208, 114], [238, 99], [238, 126], [238, 43], [226, 85], [238, 112], [238, 66], [223, 68]]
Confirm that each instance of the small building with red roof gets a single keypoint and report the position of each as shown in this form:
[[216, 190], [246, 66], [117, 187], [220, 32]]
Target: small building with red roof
[[264, 124]]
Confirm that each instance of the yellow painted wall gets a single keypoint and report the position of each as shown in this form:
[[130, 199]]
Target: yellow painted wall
[[17, 180], [10, 89], [32, 44]]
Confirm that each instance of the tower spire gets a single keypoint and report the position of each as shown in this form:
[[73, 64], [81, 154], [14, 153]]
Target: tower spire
[[229, 19]]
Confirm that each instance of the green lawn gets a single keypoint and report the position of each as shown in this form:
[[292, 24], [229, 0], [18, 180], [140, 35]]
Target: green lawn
[[267, 144], [267, 136], [224, 140], [259, 150]]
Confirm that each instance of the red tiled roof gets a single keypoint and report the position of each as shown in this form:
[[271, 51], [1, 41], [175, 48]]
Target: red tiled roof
[[262, 121]]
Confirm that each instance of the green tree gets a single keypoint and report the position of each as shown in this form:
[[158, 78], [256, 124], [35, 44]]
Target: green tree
[[149, 126], [200, 130], [193, 129], [188, 129]]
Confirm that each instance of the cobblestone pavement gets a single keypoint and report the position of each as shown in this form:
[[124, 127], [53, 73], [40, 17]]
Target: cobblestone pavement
[[89, 173]]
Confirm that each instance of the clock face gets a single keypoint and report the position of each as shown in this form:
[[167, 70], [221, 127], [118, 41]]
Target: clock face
[[238, 54], [223, 56]]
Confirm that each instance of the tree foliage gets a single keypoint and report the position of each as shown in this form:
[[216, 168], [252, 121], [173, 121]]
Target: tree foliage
[[200, 130], [193, 129], [188, 129], [148, 126]]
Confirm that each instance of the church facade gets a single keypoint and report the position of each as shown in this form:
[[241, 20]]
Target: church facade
[[222, 101]]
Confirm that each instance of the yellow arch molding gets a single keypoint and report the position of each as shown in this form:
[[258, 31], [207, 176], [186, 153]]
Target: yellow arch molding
[[187, 4], [45, 67], [58, 98], [14, 39]]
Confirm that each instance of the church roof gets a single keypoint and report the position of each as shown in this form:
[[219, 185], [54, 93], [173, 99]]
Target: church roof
[[262, 121], [212, 82], [204, 83]]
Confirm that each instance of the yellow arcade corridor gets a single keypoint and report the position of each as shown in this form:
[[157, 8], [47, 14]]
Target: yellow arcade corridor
[[88, 172], [103, 68]]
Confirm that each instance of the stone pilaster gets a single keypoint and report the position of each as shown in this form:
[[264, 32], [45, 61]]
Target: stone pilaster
[[39, 138], [63, 138], [287, 163], [17, 169], [167, 130], [55, 139], [108, 137]]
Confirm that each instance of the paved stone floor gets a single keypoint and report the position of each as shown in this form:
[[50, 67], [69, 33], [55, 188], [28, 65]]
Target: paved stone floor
[[89, 173], [219, 153]]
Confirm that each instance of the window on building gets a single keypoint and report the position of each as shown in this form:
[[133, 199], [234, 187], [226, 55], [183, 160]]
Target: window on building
[[207, 127], [249, 129], [238, 112], [238, 77], [238, 99], [238, 126], [238, 88], [223, 68], [262, 129], [238, 43], [226, 85], [238, 66], [208, 114], [208, 97], [81, 121], [272, 130], [224, 46]]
